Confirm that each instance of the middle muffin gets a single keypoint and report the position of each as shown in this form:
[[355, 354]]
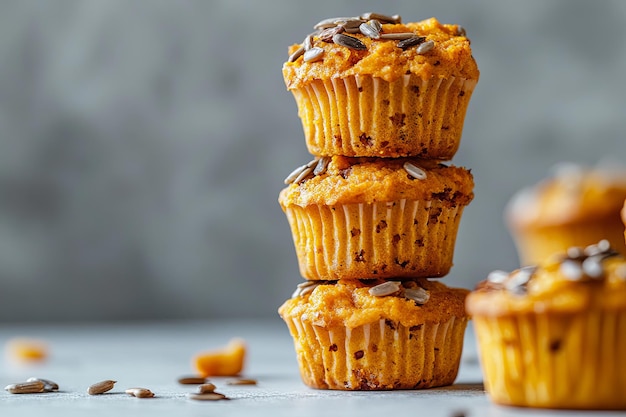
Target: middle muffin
[[357, 218]]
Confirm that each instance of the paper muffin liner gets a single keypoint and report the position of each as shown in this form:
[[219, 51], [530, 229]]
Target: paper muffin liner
[[378, 240], [570, 361], [379, 356], [535, 245], [367, 116]]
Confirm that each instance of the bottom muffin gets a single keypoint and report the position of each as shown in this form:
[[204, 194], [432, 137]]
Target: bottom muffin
[[375, 334], [553, 336]]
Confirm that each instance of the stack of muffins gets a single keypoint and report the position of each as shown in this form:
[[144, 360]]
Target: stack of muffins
[[375, 214]]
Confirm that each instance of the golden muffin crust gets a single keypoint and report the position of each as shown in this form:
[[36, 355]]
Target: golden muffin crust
[[368, 180], [574, 194], [573, 282], [382, 58], [349, 303]]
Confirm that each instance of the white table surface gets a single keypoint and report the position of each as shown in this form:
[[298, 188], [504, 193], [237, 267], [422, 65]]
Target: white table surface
[[155, 354]]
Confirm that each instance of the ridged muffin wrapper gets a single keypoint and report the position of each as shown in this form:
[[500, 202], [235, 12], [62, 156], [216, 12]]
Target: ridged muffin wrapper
[[404, 238], [362, 115], [569, 361], [378, 356]]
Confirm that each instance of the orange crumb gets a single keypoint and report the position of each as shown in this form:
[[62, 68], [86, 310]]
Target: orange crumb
[[226, 361], [26, 349]]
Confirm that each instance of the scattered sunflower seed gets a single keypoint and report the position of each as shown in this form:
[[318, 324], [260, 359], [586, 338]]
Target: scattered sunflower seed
[[386, 288], [294, 174], [308, 43], [376, 25], [571, 270], [603, 246], [313, 54], [413, 41], [296, 54], [101, 387], [327, 34], [140, 392], [305, 173], [241, 381], [381, 17], [425, 47], [497, 276], [349, 42], [398, 36], [419, 295], [305, 288], [321, 166], [369, 30], [592, 267], [333, 21], [30, 387], [575, 252], [191, 380], [49, 386], [414, 171], [460, 30], [352, 23], [519, 279], [207, 396], [206, 388]]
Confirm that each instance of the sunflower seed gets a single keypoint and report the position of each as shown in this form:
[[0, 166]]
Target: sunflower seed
[[241, 381], [352, 23], [303, 175], [349, 42], [592, 266], [425, 47], [321, 166], [191, 380], [460, 30], [206, 388], [49, 386], [414, 171], [603, 246], [376, 25], [369, 31], [397, 36], [575, 252], [294, 174], [305, 288], [407, 43], [519, 279], [207, 396], [333, 21], [381, 17], [101, 387], [620, 272], [497, 276], [308, 43], [386, 288], [419, 295], [571, 270], [140, 392], [327, 34], [30, 387], [296, 54], [313, 54]]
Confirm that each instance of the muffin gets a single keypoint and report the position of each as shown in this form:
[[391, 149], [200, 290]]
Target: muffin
[[376, 335], [357, 218], [372, 86], [576, 206], [554, 335]]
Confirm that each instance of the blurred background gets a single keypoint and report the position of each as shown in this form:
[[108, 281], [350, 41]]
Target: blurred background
[[143, 144]]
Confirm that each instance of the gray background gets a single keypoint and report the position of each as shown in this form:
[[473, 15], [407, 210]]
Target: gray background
[[143, 143]]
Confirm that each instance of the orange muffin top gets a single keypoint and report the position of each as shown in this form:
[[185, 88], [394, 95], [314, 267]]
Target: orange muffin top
[[431, 49], [573, 194], [344, 180], [575, 281], [352, 303]]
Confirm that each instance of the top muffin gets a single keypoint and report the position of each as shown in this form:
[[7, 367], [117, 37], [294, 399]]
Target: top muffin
[[371, 86]]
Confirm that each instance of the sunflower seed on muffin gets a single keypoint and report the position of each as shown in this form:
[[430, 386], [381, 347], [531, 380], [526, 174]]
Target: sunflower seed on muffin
[[414, 171], [413, 41], [398, 36], [418, 294], [425, 47], [314, 54], [349, 42], [386, 288]]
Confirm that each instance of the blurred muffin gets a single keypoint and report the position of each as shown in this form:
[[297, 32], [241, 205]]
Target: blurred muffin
[[356, 218], [576, 206], [376, 335], [554, 336], [372, 86]]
